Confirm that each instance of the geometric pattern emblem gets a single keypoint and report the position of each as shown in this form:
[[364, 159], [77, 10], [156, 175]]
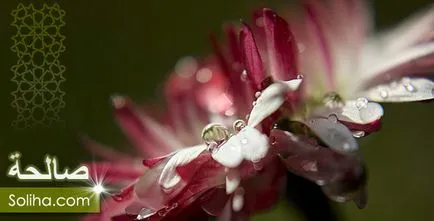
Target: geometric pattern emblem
[[38, 73]]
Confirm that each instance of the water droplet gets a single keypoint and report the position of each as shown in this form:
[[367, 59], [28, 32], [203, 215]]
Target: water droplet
[[301, 47], [244, 75], [383, 94], [238, 125], [300, 76], [215, 133], [259, 21], [341, 199], [409, 87], [361, 103], [333, 118], [257, 94], [244, 141], [358, 134], [238, 202], [320, 182], [230, 112], [332, 99], [253, 103], [346, 146], [310, 166]]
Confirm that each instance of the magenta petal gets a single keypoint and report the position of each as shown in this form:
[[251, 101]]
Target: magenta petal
[[188, 170], [282, 48], [151, 162], [367, 128], [251, 57], [216, 201], [146, 134]]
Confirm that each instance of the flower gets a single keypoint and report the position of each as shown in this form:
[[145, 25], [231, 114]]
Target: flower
[[196, 166]]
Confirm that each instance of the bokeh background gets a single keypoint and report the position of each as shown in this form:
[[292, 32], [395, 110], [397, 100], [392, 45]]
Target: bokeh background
[[129, 47]]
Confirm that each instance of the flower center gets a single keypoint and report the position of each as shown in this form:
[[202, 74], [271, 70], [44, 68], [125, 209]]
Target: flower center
[[332, 99]]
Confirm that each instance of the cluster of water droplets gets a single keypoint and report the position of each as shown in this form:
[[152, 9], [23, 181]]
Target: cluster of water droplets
[[406, 83]]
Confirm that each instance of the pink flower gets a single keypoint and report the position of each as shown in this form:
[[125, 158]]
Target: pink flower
[[205, 160]]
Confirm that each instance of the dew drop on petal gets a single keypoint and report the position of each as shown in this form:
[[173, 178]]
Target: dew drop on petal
[[257, 94], [301, 47], [409, 87], [358, 134], [346, 146], [332, 100], [244, 141], [320, 182], [300, 76], [383, 93], [310, 166], [361, 103], [254, 103], [238, 202], [340, 199], [259, 22], [244, 75], [333, 118]]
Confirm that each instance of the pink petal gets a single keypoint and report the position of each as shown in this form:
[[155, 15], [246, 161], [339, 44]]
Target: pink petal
[[232, 68], [251, 57], [317, 32], [151, 162], [149, 192], [186, 114], [150, 137], [112, 172], [282, 49], [106, 153]]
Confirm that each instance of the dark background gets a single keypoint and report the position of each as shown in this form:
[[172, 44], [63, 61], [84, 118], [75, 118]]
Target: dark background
[[129, 47]]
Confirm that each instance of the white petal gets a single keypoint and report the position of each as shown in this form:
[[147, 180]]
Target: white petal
[[248, 144], [270, 100], [254, 144], [293, 84], [233, 180], [359, 111], [229, 154], [407, 89], [238, 202], [336, 135], [169, 177]]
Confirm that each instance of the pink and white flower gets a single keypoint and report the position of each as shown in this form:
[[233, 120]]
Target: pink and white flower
[[197, 166]]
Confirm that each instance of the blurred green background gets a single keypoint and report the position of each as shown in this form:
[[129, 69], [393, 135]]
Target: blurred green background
[[129, 47]]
